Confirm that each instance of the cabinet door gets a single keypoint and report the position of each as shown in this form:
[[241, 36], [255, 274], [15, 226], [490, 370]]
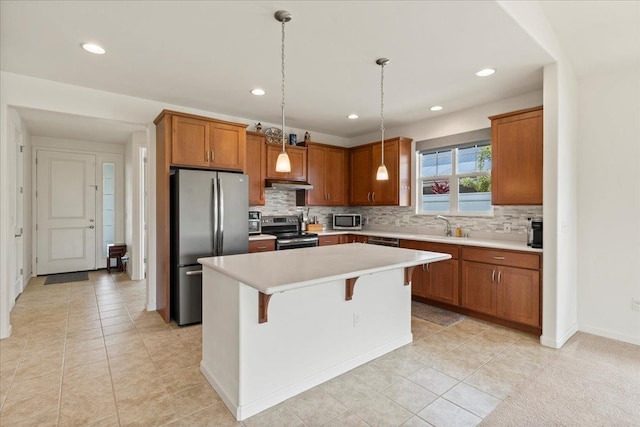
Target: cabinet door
[[516, 172], [335, 176], [255, 168], [360, 168], [419, 281], [227, 147], [478, 287], [189, 142], [297, 157], [441, 282], [316, 161], [518, 295], [386, 192]]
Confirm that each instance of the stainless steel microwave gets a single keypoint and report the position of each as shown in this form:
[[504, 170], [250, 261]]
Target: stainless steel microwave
[[347, 222], [255, 222]]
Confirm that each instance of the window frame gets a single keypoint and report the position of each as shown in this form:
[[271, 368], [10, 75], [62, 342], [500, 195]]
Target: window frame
[[453, 179]]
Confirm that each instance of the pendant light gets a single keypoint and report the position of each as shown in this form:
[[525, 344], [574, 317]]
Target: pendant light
[[382, 174], [283, 164]]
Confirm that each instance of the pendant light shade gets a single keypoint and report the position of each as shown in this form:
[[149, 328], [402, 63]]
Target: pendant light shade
[[283, 164], [382, 174]]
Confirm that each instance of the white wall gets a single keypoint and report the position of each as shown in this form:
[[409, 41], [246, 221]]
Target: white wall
[[609, 204], [128, 198], [559, 313], [458, 122], [134, 232]]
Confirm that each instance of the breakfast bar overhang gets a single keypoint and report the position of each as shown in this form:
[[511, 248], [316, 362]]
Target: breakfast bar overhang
[[275, 324]]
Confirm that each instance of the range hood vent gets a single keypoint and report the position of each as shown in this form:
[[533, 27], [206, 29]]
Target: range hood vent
[[288, 185]]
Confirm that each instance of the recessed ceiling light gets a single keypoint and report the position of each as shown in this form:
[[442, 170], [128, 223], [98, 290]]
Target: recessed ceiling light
[[436, 108], [485, 72], [352, 116], [258, 91], [93, 48]]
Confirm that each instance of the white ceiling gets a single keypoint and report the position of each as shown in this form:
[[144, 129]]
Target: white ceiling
[[208, 55], [61, 125]]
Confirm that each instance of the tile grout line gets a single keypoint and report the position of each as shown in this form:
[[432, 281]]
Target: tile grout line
[[64, 357], [104, 343]]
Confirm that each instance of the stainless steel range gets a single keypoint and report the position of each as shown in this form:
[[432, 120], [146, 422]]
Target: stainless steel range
[[286, 228]]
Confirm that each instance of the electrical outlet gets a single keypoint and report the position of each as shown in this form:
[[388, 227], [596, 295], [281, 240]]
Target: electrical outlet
[[355, 320], [397, 222], [506, 227], [366, 221], [635, 304]]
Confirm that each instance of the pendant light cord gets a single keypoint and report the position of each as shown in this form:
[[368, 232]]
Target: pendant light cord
[[282, 87], [382, 107]]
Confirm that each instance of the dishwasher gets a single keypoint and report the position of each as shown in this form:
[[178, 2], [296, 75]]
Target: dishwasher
[[383, 241]]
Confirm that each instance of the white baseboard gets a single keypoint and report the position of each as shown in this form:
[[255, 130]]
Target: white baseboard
[[7, 333], [245, 411], [611, 334], [558, 343]]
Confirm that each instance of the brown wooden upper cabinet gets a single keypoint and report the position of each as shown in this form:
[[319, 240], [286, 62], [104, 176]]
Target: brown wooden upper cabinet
[[297, 157], [207, 143], [364, 162], [327, 168], [516, 170], [256, 167]]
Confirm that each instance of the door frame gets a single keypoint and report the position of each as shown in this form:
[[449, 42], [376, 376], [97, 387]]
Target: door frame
[[101, 157]]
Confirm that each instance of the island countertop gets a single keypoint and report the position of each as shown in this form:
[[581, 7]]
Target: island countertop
[[280, 271]]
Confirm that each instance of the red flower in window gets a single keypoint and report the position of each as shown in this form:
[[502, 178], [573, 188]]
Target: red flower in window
[[440, 188]]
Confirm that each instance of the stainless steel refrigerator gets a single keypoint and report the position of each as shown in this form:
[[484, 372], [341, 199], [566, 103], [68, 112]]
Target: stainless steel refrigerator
[[208, 218]]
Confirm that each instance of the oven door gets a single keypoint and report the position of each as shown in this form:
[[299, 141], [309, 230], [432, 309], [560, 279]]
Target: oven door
[[308, 242]]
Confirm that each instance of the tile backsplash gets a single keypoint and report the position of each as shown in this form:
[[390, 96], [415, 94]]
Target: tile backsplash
[[390, 218]]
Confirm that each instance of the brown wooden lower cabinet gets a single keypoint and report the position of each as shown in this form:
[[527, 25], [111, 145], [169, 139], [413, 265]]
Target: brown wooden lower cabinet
[[335, 239], [262, 245], [507, 292], [355, 238], [439, 280], [496, 285]]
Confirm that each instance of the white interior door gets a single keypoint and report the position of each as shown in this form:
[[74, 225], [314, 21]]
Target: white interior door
[[66, 212]]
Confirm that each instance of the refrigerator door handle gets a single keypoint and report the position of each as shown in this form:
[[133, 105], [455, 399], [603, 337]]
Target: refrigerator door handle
[[193, 273], [214, 217], [221, 227]]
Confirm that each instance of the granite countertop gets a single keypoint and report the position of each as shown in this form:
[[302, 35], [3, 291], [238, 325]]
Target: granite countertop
[[487, 243], [271, 272], [261, 237]]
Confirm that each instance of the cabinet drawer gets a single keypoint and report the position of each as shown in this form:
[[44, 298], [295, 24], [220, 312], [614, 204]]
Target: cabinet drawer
[[329, 240], [262, 245], [500, 257], [452, 250]]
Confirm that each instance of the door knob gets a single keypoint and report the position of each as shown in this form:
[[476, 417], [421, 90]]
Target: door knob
[[91, 226]]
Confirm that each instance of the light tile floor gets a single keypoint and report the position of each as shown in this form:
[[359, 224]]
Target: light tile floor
[[87, 353]]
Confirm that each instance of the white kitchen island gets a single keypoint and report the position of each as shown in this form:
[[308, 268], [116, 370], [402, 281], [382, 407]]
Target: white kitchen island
[[275, 324]]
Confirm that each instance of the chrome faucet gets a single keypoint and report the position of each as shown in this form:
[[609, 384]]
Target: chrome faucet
[[447, 228]]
